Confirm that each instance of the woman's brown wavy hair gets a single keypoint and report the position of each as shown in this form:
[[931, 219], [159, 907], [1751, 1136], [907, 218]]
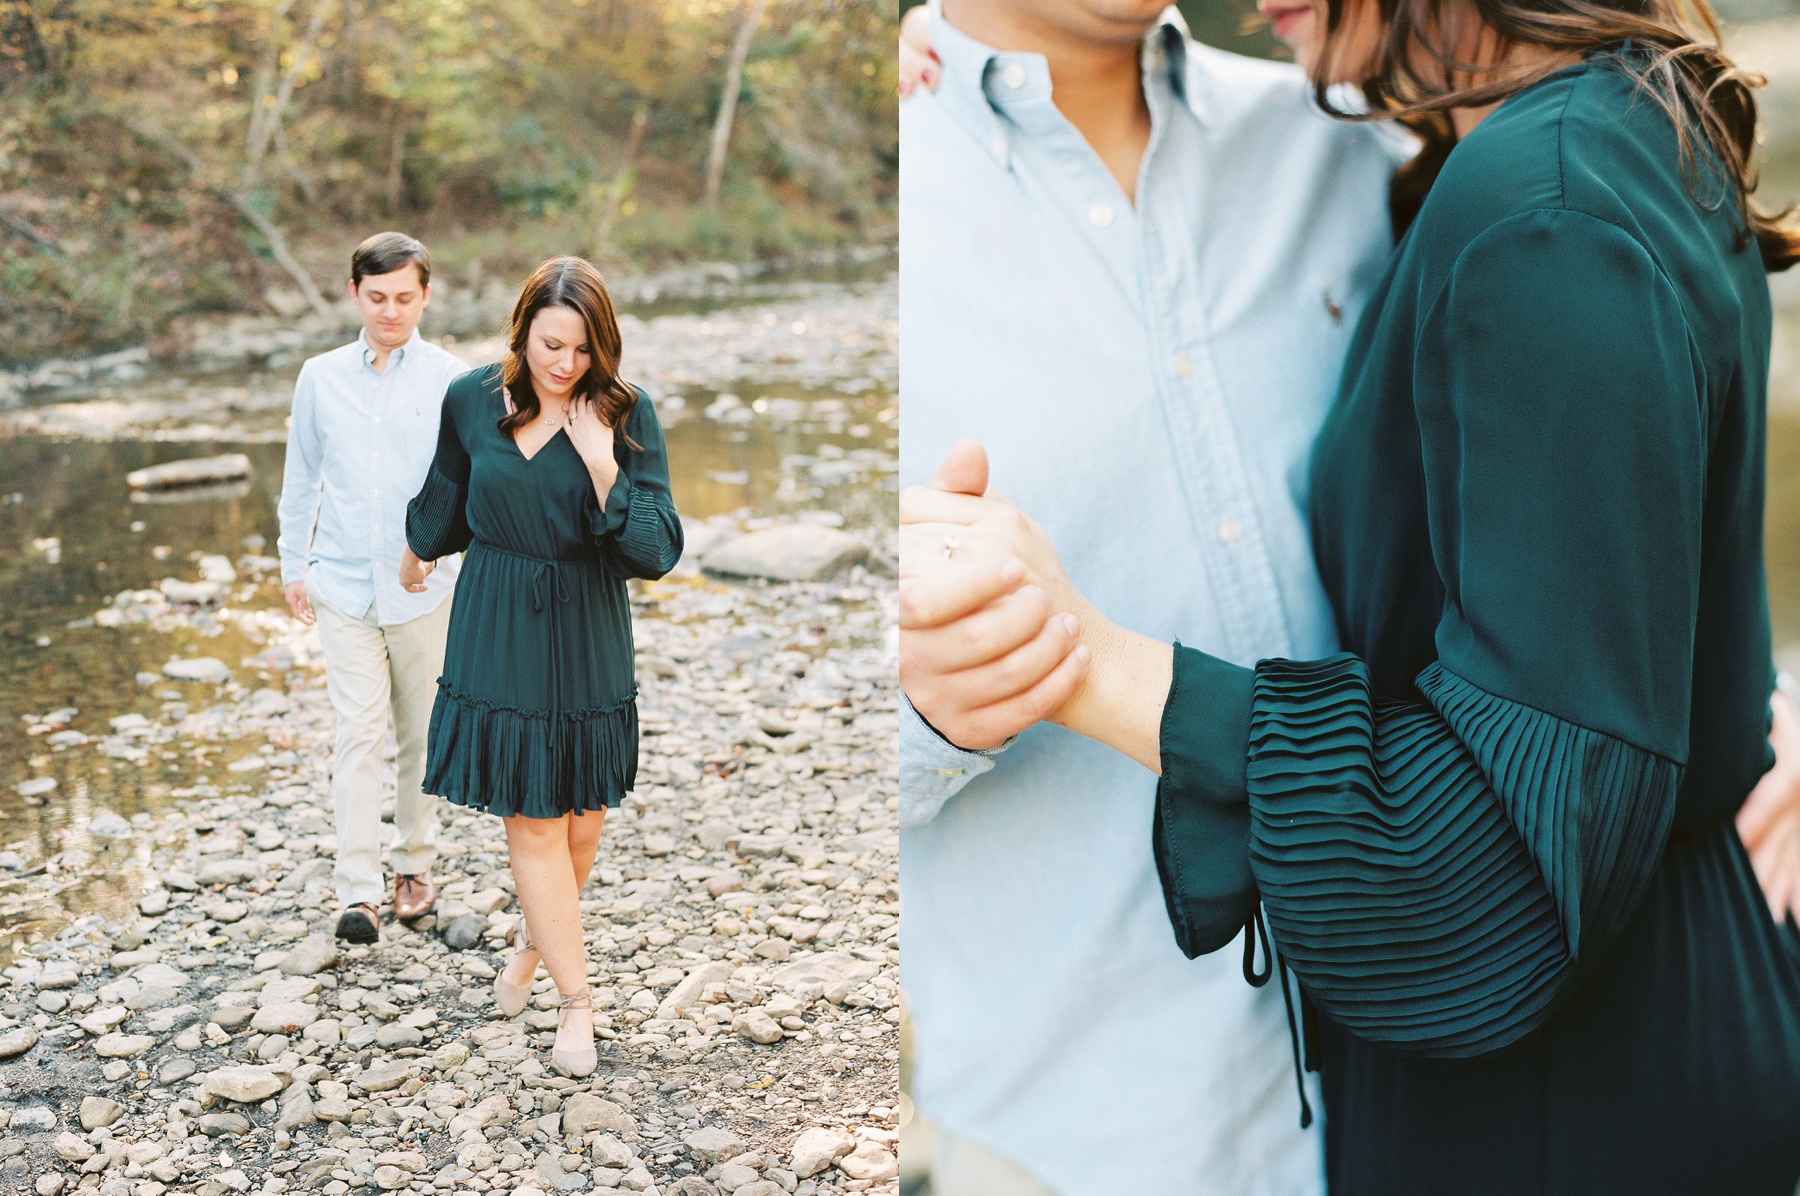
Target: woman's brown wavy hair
[[570, 282], [1670, 47]]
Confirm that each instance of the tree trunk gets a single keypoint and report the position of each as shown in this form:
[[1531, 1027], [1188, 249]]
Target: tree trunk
[[615, 194], [268, 109], [734, 80], [396, 163]]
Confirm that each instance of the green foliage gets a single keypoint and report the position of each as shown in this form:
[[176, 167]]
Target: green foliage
[[493, 123]]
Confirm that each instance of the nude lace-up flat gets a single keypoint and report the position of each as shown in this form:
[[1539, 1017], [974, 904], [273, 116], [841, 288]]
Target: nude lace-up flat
[[511, 998], [576, 1063]]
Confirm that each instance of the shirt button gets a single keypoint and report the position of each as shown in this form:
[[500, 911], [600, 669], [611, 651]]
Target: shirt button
[[1014, 76], [1184, 369], [998, 146], [1100, 215], [1229, 529]]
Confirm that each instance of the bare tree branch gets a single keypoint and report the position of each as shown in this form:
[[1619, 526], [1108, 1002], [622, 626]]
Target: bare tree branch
[[288, 162], [264, 131], [240, 202], [33, 234], [734, 80]]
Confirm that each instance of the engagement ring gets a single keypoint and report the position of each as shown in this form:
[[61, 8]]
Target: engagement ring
[[951, 544]]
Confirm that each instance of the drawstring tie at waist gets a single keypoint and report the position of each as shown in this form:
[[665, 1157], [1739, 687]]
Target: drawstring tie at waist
[[547, 570]]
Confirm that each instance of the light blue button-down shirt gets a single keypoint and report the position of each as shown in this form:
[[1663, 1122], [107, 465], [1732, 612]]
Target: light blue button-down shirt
[[1148, 382], [359, 445]]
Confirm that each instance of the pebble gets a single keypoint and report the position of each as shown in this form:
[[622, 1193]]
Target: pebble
[[97, 1111], [122, 1046], [246, 1085], [817, 1149]]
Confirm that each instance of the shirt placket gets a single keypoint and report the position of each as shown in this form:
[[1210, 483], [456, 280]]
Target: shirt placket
[[1209, 457], [378, 405]]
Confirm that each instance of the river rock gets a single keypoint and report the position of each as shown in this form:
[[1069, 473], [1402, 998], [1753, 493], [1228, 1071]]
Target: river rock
[[122, 1046], [50, 1184], [104, 1019], [226, 872], [382, 1077], [58, 975], [686, 994], [712, 1144], [108, 824], [286, 1017], [584, 1112], [757, 1026], [795, 552], [465, 932], [218, 1125], [193, 471], [97, 1111], [34, 1117], [181, 880], [310, 956], [35, 787], [154, 904], [869, 1161], [816, 1149], [246, 1085], [72, 1148], [207, 669]]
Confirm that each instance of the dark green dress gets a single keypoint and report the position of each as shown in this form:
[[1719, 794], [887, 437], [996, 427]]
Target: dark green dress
[[536, 712], [1494, 838]]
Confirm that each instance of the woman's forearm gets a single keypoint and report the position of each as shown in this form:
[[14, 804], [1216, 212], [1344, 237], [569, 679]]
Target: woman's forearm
[[603, 474], [1121, 702]]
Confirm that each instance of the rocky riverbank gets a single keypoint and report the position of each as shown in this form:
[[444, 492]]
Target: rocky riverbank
[[741, 923]]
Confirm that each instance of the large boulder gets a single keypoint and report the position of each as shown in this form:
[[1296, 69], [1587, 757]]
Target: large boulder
[[794, 552]]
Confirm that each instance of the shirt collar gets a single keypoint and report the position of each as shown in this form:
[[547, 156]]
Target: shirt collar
[[979, 81], [396, 357]]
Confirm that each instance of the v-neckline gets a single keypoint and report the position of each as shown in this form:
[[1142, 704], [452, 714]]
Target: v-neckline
[[506, 405], [540, 448]]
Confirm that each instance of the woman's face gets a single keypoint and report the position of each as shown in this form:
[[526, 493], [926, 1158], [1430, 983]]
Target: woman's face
[[1300, 25], [556, 351]]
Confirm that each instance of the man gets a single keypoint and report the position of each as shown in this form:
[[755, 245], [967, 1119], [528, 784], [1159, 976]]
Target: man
[[1130, 265], [362, 436]]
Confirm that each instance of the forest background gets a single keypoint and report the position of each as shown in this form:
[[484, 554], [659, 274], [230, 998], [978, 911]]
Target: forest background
[[162, 159]]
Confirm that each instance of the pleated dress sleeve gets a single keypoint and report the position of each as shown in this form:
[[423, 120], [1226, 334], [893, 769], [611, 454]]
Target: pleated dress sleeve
[[437, 522], [637, 530], [1439, 869]]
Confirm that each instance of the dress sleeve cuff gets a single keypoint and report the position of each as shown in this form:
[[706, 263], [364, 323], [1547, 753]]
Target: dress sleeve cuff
[[1201, 835], [607, 519]]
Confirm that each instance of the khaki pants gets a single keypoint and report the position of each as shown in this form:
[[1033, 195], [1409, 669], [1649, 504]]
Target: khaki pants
[[371, 672], [960, 1167]]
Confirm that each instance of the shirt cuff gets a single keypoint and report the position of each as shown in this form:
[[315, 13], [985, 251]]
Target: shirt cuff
[[1201, 831], [292, 572], [932, 769]]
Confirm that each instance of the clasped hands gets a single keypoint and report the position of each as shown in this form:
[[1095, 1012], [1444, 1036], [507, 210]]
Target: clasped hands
[[990, 625]]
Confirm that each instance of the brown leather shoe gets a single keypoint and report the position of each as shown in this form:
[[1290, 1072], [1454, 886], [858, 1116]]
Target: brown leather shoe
[[413, 895]]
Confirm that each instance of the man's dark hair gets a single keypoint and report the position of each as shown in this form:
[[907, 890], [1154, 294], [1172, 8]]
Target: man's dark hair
[[385, 253]]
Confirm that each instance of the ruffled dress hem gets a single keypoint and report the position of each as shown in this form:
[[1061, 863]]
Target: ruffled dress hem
[[509, 760]]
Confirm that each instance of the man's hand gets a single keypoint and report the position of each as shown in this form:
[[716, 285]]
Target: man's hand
[[981, 658], [1769, 820], [299, 605], [414, 571]]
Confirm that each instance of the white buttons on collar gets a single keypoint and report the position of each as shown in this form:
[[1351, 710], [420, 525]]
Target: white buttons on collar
[[1014, 76], [1100, 215]]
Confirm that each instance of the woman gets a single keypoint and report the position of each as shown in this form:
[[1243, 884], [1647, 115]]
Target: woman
[[552, 474], [1495, 837]]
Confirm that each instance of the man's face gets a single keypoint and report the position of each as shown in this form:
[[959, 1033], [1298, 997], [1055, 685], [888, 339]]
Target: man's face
[[1104, 22], [391, 305]]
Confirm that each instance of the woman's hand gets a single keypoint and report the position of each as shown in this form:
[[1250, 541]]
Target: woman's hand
[[593, 440], [414, 571], [1769, 820], [918, 61], [995, 637]]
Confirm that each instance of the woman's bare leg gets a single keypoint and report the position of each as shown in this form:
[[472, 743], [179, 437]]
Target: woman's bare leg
[[584, 843], [549, 883], [584, 846]]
